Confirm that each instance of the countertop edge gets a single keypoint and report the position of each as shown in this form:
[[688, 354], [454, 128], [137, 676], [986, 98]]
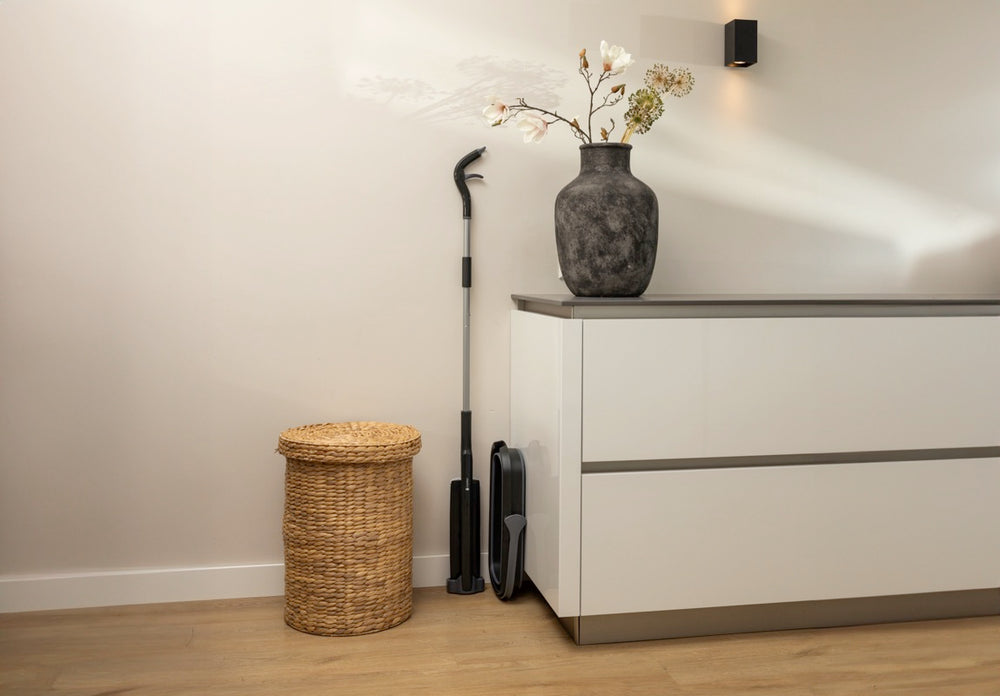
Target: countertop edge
[[732, 305]]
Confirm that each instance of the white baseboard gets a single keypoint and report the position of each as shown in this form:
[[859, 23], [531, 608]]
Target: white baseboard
[[154, 586], [434, 571], [146, 586]]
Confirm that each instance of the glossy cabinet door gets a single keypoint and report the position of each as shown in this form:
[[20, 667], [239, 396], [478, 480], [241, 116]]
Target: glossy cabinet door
[[680, 388], [656, 541]]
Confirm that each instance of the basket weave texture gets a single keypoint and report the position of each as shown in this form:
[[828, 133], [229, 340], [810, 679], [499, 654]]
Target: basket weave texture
[[348, 526]]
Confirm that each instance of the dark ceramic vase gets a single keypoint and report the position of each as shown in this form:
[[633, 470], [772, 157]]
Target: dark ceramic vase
[[606, 226]]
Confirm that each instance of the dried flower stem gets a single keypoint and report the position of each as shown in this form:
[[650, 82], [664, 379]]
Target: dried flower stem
[[609, 100], [524, 106]]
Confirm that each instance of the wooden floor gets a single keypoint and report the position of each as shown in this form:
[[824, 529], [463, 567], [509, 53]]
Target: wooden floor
[[471, 645]]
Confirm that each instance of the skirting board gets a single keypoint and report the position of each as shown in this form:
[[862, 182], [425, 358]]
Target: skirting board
[[684, 623], [157, 585]]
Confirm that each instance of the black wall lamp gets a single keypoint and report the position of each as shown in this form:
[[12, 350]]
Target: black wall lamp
[[741, 43]]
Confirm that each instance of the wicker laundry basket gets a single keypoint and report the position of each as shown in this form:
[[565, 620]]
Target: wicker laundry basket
[[348, 526]]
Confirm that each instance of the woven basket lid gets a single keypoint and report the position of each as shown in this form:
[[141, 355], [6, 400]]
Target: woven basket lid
[[361, 442]]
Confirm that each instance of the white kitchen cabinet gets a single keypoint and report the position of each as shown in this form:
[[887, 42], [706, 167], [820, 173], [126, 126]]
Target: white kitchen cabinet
[[705, 464]]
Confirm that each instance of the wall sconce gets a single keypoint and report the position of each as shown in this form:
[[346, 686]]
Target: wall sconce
[[741, 43]]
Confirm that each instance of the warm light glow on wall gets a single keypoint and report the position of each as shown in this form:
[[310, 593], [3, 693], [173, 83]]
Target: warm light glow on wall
[[778, 178]]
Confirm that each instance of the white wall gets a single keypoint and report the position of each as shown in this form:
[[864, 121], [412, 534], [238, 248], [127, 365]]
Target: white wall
[[221, 219]]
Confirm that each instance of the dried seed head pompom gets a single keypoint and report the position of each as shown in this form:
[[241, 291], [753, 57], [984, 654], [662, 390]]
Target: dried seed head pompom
[[683, 82], [659, 78], [644, 107]]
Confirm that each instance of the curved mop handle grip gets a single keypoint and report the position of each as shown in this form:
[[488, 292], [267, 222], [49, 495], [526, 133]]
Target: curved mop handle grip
[[461, 177]]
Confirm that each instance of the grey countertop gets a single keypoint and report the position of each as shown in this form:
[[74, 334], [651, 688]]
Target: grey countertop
[[776, 305]]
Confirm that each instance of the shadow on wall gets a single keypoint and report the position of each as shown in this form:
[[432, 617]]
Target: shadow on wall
[[711, 245], [839, 223], [683, 41], [970, 268], [481, 76]]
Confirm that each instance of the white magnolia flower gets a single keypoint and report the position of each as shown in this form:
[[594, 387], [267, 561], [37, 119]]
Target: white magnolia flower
[[533, 127], [614, 58], [496, 112]]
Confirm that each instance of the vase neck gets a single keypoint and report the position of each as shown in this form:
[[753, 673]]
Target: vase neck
[[599, 157]]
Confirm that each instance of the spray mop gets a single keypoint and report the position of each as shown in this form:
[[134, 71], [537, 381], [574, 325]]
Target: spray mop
[[465, 577], [507, 475]]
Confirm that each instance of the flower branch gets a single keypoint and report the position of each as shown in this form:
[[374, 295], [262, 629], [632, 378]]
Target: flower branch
[[645, 104]]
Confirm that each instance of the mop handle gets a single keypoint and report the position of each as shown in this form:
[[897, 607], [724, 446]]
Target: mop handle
[[461, 177]]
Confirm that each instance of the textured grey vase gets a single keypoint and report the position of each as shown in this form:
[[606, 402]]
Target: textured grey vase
[[606, 226]]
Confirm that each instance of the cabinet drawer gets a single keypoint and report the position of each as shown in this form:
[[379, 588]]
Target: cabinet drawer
[[679, 388], [656, 541]]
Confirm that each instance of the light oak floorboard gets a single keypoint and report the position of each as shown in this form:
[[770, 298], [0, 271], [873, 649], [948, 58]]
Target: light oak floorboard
[[471, 645]]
